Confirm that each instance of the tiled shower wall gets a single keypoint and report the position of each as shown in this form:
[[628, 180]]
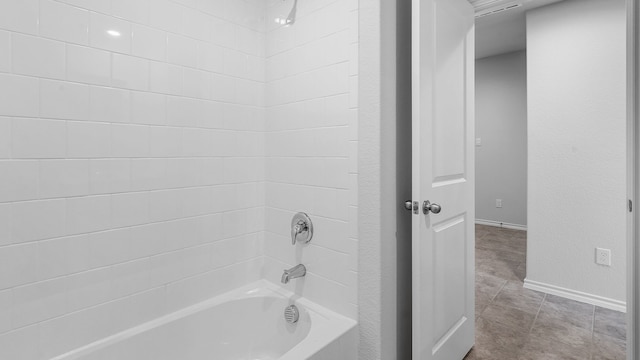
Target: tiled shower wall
[[131, 163], [311, 147]]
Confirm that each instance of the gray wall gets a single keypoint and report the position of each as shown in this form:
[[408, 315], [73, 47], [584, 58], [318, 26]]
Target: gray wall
[[576, 61], [501, 124]]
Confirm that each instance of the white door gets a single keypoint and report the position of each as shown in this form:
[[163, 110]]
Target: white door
[[443, 173]]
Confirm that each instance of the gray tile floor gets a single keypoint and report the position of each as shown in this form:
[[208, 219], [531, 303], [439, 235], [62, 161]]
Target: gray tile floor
[[516, 323]]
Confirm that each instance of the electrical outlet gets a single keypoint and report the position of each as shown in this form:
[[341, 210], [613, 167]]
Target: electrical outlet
[[603, 257], [498, 203]]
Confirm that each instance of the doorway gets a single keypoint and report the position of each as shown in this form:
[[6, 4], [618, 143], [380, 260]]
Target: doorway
[[550, 285]]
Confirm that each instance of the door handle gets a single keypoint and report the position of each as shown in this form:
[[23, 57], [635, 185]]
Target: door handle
[[427, 207]]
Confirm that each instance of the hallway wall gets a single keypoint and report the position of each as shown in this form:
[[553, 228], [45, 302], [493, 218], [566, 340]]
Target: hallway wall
[[577, 148], [501, 125]]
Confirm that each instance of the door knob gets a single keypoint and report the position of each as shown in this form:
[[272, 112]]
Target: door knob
[[427, 207], [408, 205]]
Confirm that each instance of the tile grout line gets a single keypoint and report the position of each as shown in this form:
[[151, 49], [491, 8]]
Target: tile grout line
[[537, 313]]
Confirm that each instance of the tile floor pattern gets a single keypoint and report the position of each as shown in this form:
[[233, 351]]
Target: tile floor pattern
[[513, 323]]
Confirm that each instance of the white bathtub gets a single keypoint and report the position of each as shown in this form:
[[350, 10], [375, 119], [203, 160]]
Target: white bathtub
[[244, 324]]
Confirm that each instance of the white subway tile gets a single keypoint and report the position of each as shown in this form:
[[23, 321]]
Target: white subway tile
[[64, 178], [224, 88], [148, 174], [146, 240], [337, 111], [33, 138], [165, 78], [6, 236], [196, 24], [107, 248], [164, 15], [5, 51], [353, 92], [256, 68], [101, 6], [130, 209], [110, 105], [129, 278], [197, 84], [183, 172], [196, 142], [19, 344], [18, 264], [109, 176], [144, 306], [62, 256], [37, 302], [165, 141], [250, 93], [213, 114], [129, 140], [88, 214], [235, 63], [64, 100], [223, 33], [148, 108], [133, 10], [20, 95], [109, 33], [210, 57], [19, 15], [50, 220], [164, 205], [28, 53], [18, 180], [182, 50], [196, 201], [89, 288], [62, 334], [6, 305], [88, 140], [130, 72], [149, 43], [183, 111], [353, 59], [88, 65], [63, 22]]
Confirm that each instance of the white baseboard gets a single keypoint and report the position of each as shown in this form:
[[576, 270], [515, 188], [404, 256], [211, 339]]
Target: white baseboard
[[501, 224], [576, 295]]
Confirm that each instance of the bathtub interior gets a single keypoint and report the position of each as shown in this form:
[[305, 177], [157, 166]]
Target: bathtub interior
[[245, 323], [252, 328]]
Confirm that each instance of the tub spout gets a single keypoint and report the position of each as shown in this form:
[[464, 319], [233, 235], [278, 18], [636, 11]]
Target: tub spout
[[293, 273]]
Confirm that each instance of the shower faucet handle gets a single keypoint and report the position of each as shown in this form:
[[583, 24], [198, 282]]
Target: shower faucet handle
[[301, 228]]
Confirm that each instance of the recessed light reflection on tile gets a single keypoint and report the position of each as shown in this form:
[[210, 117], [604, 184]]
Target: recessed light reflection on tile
[[114, 33]]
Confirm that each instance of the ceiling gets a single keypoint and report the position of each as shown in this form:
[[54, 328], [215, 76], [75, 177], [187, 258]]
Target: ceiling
[[501, 25]]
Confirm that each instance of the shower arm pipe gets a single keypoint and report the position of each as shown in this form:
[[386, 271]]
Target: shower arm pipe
[[291, 19]]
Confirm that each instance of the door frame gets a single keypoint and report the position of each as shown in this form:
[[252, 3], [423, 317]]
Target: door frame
[[633, 179]]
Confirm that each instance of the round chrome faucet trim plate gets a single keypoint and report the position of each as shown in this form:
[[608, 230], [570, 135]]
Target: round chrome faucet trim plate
[[301, 228]]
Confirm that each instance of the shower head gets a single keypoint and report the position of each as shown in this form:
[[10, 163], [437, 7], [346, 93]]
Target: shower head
[[291, 19]]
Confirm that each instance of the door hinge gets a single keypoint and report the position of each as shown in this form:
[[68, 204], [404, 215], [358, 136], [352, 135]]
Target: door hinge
[[630, 205]]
